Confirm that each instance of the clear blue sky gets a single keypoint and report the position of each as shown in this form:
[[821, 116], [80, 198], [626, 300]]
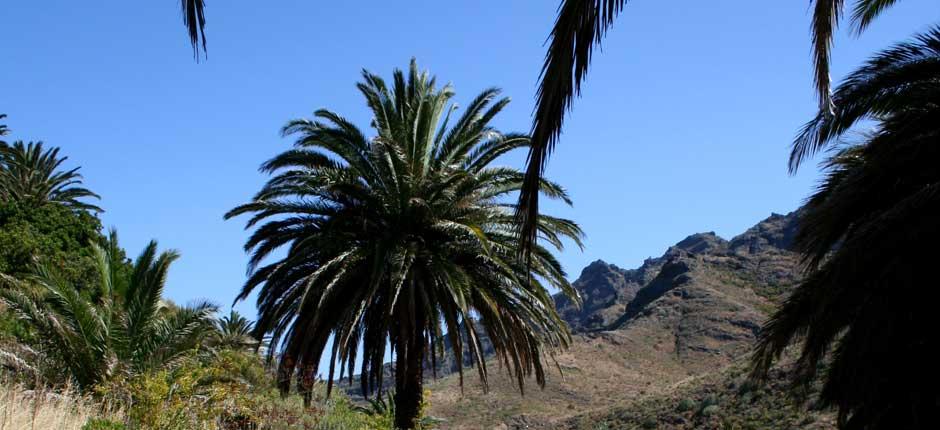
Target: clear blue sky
[[684, 125]]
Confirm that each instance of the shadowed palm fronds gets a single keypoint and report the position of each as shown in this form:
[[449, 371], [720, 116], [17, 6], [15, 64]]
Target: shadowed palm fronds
[[868, 239], [399, 238]]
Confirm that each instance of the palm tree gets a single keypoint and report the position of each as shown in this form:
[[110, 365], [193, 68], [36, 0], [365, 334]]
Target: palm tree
[[868, 238], [115, 333], [233, 332], [582, 24], [30, 174], [399, 238]]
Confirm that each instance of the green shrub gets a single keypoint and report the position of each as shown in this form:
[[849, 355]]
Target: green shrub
[[748, 386], [709, 400], [686, 405], [710, 410], [230, 390]]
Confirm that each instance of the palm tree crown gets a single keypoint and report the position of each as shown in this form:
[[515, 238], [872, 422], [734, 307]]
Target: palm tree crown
[[399, 238], [117, 332], [31, 175], [234, 332], [868, 239]]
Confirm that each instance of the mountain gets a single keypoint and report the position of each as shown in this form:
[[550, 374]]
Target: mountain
[[646, 333]]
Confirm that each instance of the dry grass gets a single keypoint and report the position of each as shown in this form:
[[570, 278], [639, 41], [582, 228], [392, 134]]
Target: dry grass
[[22, 409]]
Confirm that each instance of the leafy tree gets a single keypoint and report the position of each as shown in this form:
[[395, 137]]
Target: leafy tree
[[118, 333], [233, 332], [395, 238], [53, 234], [30, 175], [868, 238], [582, 24]]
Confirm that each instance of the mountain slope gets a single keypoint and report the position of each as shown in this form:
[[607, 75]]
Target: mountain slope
[[644, 332]]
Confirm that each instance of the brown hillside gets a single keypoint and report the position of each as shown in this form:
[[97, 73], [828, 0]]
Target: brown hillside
[[644, 333]]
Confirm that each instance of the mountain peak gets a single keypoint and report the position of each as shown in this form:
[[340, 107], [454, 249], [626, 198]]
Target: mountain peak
[[699, 243], [775, 231]]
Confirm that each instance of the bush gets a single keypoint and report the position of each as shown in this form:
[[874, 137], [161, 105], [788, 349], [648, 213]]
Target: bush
[[686, 405], [229, 390], [747, 386], [57, 235], [710, 410], [709, 400]]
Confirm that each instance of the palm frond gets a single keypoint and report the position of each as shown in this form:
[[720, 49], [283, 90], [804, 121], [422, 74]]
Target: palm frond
[[580, 26], [194, 18]]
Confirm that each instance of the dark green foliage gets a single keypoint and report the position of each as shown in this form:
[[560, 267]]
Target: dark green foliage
[[116, 332], [400, 238], [868, 238], [31, 175], [685, 405], [51, 234]]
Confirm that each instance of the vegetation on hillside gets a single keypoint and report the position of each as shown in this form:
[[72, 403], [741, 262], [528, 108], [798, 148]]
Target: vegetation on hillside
[[398, 238], [726, 399]]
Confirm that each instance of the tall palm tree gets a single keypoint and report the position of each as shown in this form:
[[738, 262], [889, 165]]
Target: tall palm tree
[[868, 238], [31, 175], [399, 238], [233, 332], [115, 333], [582, 24]]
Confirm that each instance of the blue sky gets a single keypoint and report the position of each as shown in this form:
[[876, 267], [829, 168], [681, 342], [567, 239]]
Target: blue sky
[[684, 124]]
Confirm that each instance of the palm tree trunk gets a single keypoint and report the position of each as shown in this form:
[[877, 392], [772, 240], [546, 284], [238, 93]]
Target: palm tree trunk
[[409, 373]]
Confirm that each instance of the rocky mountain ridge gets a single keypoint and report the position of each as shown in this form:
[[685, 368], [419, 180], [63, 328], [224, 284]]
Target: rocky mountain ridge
[[642, 332]]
